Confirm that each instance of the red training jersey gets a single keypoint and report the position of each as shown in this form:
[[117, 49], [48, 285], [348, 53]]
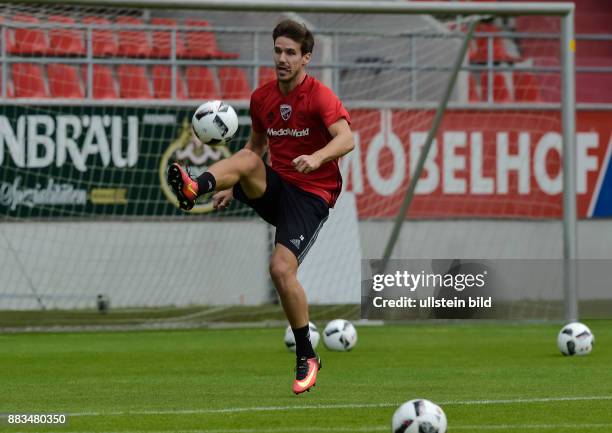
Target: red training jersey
[[296, 124]]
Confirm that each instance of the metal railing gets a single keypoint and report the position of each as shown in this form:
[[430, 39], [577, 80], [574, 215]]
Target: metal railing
[[254, 34]]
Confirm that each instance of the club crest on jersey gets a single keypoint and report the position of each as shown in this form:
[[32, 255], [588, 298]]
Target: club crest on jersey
[[285, 111]]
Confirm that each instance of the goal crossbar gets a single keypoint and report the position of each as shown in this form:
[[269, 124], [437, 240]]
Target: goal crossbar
[[385, 6]]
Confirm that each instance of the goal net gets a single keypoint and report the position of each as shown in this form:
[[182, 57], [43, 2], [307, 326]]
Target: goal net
[[96, 103]]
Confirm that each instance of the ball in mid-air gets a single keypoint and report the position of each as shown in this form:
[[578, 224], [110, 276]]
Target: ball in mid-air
[[214, 123]]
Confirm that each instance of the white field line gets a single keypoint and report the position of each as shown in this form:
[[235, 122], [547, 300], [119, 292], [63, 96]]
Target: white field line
[[365, 429], [335, 406]]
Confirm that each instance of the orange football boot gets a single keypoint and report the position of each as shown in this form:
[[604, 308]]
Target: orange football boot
[[184, 187], [306, 373]]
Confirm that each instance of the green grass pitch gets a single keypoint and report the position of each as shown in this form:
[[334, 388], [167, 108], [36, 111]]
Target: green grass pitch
[[487, 377]]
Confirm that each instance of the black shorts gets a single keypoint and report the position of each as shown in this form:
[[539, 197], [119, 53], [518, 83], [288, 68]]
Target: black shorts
[[297, 215]]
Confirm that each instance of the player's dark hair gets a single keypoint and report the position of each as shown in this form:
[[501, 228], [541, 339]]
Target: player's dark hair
[[296, 32]]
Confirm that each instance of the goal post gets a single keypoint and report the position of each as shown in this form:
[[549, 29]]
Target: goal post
[[392, 80]]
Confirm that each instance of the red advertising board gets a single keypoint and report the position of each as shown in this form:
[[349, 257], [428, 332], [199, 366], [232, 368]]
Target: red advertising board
[[500, 164]]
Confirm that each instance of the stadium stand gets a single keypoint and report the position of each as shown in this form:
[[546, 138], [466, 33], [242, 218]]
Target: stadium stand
[[29, 81], [501, 93], [65, 41], [526, 88], [64, 81], [266, 74], [201, 83], [133, 82], [474, 91], [479, 52], [104, 43], [234, 83], [133, 43], [26, 41], [202, 44], [162, 82], [103, 82], [162, 39]]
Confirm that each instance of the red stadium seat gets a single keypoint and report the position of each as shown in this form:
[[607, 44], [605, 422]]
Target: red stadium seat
[[201, 83], [234, 83], [10, 93], [526, 87], [30, 41], [266, 75], [162, 82], [28, 81], [64, 81], [104, 43], [133, 82], [133, 43], [473, 91], [501, 93], [203, 44], [103, 82], [479, 51], [65, 41], [162, 39]]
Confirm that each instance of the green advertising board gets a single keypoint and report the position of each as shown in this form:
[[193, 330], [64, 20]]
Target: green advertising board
[[82, 162]]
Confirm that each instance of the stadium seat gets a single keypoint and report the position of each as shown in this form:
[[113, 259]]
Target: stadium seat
[[162, 39], [234, 83], [501, 93], [526, 88], [9, 90], [29, 81], [133, 43], [203, 44], [473, 91], [266, 74], [133, 82], [65, 41], [162, 82], [103, 82], [28, 41], [201, 83], [104, 43], [64, 81], [479, 51]]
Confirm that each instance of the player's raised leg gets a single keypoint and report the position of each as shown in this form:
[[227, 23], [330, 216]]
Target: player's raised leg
[[283, 270], [245, 166]]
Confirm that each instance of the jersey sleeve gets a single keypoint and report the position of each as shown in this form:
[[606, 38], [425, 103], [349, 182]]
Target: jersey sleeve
[[330, 107], [254, 110]]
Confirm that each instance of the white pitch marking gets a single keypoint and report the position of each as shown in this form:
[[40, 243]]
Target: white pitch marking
[[337, 406], [371, 428]]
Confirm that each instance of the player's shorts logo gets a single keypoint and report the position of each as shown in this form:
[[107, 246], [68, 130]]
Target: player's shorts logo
[[189, 152], [285, 111]]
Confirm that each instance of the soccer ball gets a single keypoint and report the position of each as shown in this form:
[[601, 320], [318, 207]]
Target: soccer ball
[[290, 338], [575, 339], [340, 335], [418, 416], [214, 123]]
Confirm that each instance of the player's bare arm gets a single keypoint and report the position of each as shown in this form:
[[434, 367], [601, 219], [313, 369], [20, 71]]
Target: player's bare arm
[[258, 143], [341, 144]]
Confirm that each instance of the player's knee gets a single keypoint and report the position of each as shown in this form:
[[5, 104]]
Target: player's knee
[[249, 160], [281, 269]]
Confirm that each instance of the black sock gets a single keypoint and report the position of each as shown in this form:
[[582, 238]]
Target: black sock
[[206, 183], [303, 347]]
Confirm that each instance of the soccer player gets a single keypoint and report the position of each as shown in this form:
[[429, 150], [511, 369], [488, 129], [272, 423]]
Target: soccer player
[[305, 128]]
